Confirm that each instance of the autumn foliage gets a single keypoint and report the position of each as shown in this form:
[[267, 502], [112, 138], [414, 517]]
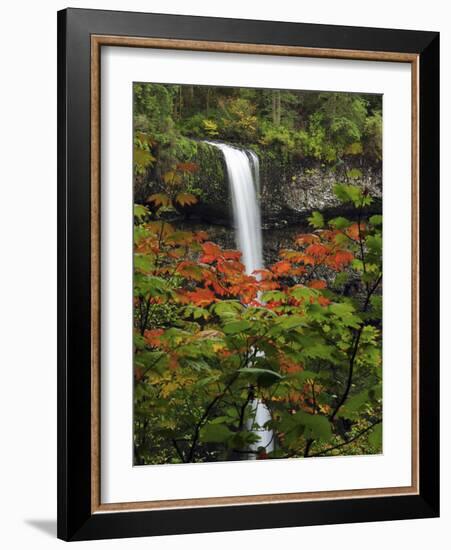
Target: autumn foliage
[[302, 335]]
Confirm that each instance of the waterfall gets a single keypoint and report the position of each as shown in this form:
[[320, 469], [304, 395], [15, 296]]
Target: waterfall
[[243, 171], [246, 210]]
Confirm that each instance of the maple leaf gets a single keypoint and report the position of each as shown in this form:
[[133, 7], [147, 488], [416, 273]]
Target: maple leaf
[[268, 285], [281, 267], [160, 228], [318, 284], [323, 301], [308, 238], [328, 234], [190, 270], [201, 297], [185, 199], [353, 231], [153, 337], [292, 255], [317, 250], [231, 254], [340, 259], [212, 281], [171, 178], [211, 252], [159, 199], [263, 274], [230, 267]]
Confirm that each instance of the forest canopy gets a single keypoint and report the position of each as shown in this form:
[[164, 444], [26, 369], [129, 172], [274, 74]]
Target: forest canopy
[[299, 124]]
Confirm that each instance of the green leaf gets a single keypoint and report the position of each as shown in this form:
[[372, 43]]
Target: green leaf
[[349, 193], [346, 313], [227, 308], [374, 244], [315, 426], [304, 375], [303, 292], [375, 437], [256, 370], [341, 278], [340, 223], [290, 322], [316, 220], [353, 405], [273, 296], [215, 433], [376, 219], [143, 262], [155, 286], [235, 327], [354, 173], [140, 211]]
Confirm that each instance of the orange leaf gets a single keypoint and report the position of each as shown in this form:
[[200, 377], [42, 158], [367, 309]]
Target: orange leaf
[[263, 274], [232, 254], [201, 236], [340, 259], [230, 267], [281, 267], [318, 284], [317, 250], [306, 239], [159, 199], [153, 337], [173, 361], [185, 199], [323, 301], [190, 270], [353, 231], [201, 297], [211, 252]]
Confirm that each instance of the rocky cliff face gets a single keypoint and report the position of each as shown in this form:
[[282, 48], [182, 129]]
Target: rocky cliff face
[[289, 190]]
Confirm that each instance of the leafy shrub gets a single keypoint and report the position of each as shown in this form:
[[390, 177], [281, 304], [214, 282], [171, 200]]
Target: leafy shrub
[[209, 340]]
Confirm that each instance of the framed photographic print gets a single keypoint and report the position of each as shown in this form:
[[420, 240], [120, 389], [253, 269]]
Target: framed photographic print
[[248, 274]]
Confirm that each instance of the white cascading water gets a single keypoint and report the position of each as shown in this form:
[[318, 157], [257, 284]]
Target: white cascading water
[[243, 172]]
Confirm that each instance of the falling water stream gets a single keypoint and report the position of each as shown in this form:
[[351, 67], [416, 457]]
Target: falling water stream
[[243, 172]]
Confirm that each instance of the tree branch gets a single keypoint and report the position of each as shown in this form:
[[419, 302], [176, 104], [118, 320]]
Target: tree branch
[[206, 415], [367, 429]]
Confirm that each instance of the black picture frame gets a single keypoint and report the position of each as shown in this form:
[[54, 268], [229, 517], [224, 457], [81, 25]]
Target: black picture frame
[[76, 521]]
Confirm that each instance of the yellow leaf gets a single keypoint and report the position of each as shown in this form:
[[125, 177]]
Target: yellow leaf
[[186, 199], [160, 199], [171, 178], [169, 388]]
